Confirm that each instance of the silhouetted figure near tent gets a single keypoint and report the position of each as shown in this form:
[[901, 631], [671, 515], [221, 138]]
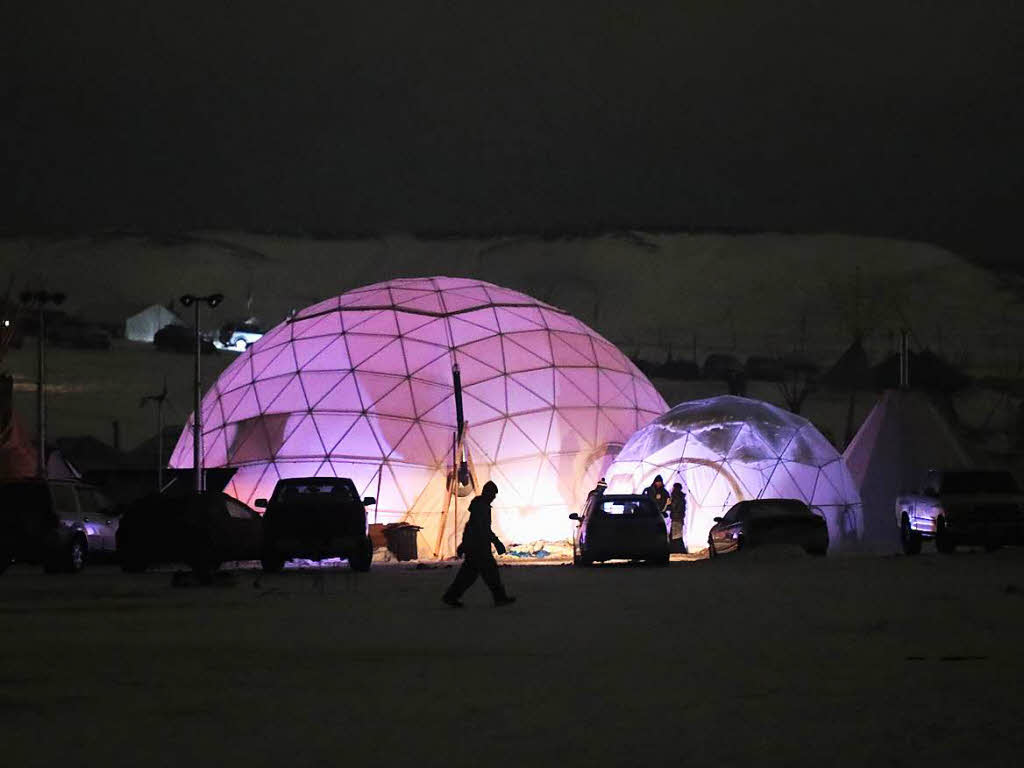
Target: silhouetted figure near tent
[[677, 513], [598, 489], [657, 493], [477, 538]]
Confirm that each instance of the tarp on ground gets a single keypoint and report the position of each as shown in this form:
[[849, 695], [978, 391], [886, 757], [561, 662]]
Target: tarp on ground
[[143, 325], [902, 437]]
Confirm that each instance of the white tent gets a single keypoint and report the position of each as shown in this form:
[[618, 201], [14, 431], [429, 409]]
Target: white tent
[[361, 386], [144, 325], [902, 437], [727, 449]]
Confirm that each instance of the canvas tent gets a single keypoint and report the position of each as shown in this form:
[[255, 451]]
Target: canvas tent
[[727, 449], [143, 325], [902, 437], [361, 386]]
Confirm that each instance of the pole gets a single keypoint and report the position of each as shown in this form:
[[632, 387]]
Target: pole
[[197, 417], [41, 392]]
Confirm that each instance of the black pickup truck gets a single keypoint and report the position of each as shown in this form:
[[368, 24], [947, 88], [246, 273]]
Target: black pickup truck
[[315, 518]]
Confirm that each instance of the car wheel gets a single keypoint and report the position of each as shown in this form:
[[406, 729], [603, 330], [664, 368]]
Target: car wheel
[[241, 345], [910, 539], [661, 560], [943, 541], [70, 559], [360, 560]]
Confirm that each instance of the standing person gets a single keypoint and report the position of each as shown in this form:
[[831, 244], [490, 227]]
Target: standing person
[[677, 511], [657, 493], [477, 538], [598, 489]]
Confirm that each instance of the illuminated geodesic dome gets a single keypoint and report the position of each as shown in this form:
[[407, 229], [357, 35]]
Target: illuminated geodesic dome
[[361, 386], [727, 449]]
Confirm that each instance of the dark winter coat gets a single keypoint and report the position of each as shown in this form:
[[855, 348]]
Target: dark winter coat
[[477, 536], [658, 496], [677, 505]]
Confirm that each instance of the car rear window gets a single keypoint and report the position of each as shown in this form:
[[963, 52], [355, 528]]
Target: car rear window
[[628, 507], [313, 491]]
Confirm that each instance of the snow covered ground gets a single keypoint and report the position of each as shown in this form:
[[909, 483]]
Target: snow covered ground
[[770, 660]]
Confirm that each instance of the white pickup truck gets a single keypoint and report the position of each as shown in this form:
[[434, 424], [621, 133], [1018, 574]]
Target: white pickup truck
[[962, 507]]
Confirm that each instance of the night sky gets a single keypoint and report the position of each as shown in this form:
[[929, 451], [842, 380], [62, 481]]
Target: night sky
[[882, 118]]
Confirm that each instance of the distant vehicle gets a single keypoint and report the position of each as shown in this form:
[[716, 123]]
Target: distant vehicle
[[60, 524], [70, 332], [961, 507], [178, 338], [721, 367], [238, 338], [619, 526], [760, 522], [316, 518], [201, 530]]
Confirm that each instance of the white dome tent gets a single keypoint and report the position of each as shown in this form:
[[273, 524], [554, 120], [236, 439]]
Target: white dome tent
[[727, 449], [361, 386]]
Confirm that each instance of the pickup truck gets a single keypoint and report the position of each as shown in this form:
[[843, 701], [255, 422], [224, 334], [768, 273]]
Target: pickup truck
[[962, 507]]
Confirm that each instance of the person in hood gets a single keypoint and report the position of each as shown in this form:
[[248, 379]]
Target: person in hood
[[477, 538], [677, 513], [657, 493]]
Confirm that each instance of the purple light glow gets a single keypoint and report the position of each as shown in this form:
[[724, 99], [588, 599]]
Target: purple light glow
[[360, 386]]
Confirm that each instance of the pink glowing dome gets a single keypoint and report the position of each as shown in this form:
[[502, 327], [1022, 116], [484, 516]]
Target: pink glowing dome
[[361, 386]]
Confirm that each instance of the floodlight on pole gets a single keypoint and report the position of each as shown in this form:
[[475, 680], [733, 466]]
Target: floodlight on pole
[[191, 300], [38, 300]]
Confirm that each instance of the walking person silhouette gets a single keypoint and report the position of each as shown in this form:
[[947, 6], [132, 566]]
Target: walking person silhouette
[[477, 538]]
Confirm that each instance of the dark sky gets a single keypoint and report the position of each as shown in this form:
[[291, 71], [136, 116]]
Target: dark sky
[[886, 118]]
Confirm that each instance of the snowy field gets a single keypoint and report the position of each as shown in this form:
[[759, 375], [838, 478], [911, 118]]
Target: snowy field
[[774, 660]]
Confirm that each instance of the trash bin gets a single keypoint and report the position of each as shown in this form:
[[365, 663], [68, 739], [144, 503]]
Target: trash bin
[[401, 539]]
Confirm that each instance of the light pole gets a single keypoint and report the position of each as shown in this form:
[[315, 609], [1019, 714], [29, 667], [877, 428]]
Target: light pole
[[38, 300], [189, 300], [159, 400]]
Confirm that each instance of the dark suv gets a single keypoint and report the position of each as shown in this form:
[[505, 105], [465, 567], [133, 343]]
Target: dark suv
[[315, 518], [58, 523]]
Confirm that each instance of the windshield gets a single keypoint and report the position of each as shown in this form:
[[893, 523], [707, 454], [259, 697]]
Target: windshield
[[628, 506], [978, 482]]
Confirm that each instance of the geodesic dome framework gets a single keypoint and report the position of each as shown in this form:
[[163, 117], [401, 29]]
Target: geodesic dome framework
[[728, 449], [361, 386]]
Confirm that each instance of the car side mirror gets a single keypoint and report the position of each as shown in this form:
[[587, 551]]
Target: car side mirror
[[369, 501], [574, 516], [261, 503], [717, 519]]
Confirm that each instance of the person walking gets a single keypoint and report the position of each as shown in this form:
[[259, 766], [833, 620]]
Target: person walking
[[677, 513], [477, 538], [657, 493]]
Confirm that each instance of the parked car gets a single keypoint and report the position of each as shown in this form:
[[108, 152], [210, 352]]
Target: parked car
[[961, 507], [238, 337], [178, 338], [316, 518], [619, 526], [201, 530], [60, 524], [71, 332], [760, 522]]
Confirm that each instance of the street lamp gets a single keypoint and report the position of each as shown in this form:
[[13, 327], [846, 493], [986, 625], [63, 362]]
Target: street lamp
[[38, 300], [189, 300]]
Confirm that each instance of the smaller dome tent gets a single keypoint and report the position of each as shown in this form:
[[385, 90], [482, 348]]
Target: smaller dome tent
[[727, 449]]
